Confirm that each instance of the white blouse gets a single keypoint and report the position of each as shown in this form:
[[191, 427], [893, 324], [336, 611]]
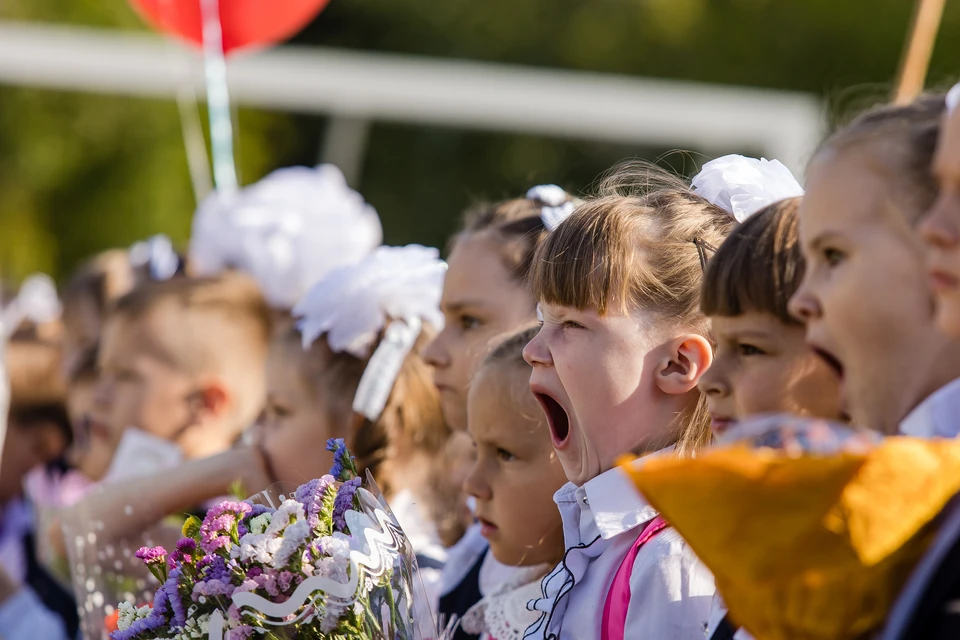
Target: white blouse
[[503, 614], [671, 590], [938, 416]]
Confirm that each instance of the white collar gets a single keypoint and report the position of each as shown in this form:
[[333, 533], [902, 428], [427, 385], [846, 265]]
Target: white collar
[[610, 501], [938, 416]]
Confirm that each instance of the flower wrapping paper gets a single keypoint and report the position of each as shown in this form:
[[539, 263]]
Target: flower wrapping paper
[[810, 528]]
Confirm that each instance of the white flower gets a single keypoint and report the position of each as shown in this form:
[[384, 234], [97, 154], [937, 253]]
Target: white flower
[[352, 304], [287, 231], [127, 614], [259, 547], [743, 186], [290, 509], [293, 537], [260, 523]]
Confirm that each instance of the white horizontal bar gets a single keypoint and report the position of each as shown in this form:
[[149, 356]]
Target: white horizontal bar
[[410, 89]]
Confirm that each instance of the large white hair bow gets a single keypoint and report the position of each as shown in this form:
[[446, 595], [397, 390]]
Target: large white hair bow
[[742, 186], [36, 301], [397, 288], [287, 231], [557, 204]]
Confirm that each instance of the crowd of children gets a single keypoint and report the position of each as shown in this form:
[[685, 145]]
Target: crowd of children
[[494, 396]]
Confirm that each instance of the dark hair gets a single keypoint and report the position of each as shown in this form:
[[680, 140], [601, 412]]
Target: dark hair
[[911, 133], [515, 224], [758, 267], [37, 392]]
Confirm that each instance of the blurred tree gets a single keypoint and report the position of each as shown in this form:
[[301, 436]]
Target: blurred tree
[[79, 173]]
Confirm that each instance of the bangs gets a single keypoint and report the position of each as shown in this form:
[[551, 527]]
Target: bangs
[[758, 267], [587, 261]]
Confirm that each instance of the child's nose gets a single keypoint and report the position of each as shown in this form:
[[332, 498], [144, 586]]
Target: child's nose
[[476, 485], [712, 383], [803, 305], [536, 352], [436, 354], [939, 227]]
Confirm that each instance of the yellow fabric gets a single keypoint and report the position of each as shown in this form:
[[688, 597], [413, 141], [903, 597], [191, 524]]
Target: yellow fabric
[[811, 546]]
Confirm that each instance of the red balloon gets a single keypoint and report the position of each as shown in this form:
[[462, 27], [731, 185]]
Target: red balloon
[[243, 22]]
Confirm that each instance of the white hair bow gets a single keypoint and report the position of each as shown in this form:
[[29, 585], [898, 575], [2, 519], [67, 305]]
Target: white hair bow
[[157, 254], [557, 204], [953, 98], [288, 231], [394, 288], [36, 301], [742, 186]]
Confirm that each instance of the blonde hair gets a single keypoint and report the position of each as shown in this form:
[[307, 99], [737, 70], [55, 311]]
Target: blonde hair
[[217, 324], [411, 421], [639, 244], [910, 133]]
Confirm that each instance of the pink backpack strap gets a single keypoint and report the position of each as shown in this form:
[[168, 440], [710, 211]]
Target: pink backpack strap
[[618, 597]]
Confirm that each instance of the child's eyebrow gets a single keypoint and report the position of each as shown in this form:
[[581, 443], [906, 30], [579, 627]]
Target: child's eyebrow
[[459, 305], [822, 239]]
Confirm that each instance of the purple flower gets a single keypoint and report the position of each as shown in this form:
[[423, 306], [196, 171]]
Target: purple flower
[[344, 502], [171, 588], [217, 570], [219, 524], [285, 579], [156, 619], [310, 495], [343, 468], [184, 553], [151, 555], [239, 633]]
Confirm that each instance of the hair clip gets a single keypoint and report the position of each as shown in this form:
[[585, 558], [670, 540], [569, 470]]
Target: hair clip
[[702, 247]]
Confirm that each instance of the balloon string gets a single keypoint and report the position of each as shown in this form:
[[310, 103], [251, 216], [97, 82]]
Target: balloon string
[[218, 98]]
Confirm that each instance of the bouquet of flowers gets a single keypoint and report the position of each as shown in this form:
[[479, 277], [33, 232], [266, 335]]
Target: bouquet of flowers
[[328, 561]]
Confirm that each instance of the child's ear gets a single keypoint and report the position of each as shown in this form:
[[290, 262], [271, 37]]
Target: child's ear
[[684, 360], [209, 402]]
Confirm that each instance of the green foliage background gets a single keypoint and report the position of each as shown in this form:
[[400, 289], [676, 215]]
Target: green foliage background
[[80, 173]]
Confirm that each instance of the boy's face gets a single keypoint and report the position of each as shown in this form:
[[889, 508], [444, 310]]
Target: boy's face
[[763, 365], [593, 376], [138, 386], [864, 296]]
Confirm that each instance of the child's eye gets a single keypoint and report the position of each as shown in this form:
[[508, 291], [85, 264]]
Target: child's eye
[[833, 257], [469, 322], [746, 350], [570, 324], [505, 455]]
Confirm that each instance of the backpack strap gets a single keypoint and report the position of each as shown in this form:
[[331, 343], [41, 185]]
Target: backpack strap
[[614, 622]]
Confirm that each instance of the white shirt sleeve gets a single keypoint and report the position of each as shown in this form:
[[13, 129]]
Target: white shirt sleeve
[[671, 591], [23, 617]]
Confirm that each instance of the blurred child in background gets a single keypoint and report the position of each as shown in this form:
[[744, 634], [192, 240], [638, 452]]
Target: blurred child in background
[[38, 434]]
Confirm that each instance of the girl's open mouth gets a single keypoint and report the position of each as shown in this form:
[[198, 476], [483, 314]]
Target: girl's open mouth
[[831, 361], [557, 418]]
